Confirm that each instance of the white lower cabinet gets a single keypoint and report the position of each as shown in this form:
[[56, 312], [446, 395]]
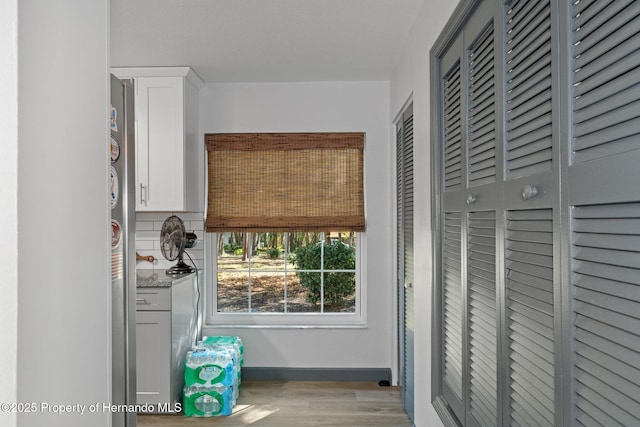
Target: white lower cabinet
[[166, 330], [153, 342]]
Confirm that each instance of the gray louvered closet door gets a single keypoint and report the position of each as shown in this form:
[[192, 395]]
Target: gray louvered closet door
[[498, 264], [531, 208], [543, 326], [452, 300], [483, 181], [470, 179], [603, 201], [404, 175]]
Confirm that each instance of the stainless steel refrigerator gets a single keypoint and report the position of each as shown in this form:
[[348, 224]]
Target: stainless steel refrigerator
[[123, 275]]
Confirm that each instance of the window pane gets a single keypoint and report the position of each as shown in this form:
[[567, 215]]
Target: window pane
[[267, 292], [232, 251], [339, 252], [270, 251], [286, 272], [303, 293], [306, 250], [340, 292], [233, 291]]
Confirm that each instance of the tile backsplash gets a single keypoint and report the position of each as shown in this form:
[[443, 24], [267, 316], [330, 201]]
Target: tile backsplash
[[148, 226]]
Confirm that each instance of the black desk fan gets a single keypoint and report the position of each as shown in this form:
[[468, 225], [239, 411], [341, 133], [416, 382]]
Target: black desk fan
[[173, 241]]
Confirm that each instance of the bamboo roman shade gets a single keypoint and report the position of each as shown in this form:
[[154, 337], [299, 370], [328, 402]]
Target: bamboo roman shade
[[285, 182]]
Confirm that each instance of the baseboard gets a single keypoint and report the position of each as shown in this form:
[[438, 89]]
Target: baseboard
[[316, 374]]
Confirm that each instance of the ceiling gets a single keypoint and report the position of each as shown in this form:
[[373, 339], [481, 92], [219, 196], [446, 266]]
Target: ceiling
[[264, 40]]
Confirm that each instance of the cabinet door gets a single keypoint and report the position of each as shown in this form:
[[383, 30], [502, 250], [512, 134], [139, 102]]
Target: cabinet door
[[153, 353], [160, 144]]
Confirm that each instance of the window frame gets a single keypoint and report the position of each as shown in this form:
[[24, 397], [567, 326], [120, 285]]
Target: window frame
[[213, 318]]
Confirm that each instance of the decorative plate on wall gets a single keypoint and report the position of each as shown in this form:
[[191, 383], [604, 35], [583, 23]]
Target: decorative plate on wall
[[114, 188], [114, 149]]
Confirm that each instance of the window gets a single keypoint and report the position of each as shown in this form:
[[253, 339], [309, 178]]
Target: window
[[263, 189], [286, 272], [286, 278]]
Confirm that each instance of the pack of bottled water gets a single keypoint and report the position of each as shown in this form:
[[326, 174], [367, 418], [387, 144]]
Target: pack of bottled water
[[233, 344], [208, 366], [213, 376], [224, 340], [208, 401]]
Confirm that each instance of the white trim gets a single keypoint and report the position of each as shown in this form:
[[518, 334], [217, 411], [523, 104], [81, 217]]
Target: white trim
[[135, 72], [216, 319]]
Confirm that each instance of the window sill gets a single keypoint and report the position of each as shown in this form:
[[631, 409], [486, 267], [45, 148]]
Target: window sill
[[285, 326], [286, 321]]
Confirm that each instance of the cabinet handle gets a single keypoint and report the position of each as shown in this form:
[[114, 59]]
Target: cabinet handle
[[141, 300], [143, 200], [471, 199], [529, 192]]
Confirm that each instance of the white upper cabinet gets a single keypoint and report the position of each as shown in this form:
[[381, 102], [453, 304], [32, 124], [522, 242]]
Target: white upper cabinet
[[169, 153]]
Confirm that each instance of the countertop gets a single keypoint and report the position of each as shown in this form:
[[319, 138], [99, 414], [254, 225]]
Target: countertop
[[151, 278]]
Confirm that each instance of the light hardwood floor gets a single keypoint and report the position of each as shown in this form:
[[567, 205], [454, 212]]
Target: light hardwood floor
[[300, 404]]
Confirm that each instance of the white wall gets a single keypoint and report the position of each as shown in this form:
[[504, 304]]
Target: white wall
[[9, 210], [64, 312], [411, 79], [322, 107]]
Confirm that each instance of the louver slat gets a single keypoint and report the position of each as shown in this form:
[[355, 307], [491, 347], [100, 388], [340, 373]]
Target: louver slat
[[528, 117], [529, 285], [452, 131], [587, 79], [525, 22], [594, 32], [481, 286], [453, 307], [606, 81], [590, 8], [482, 121], [606, 289]]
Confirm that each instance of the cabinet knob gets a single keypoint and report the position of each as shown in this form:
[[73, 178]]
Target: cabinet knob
[[529, 192], [471, 199]]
